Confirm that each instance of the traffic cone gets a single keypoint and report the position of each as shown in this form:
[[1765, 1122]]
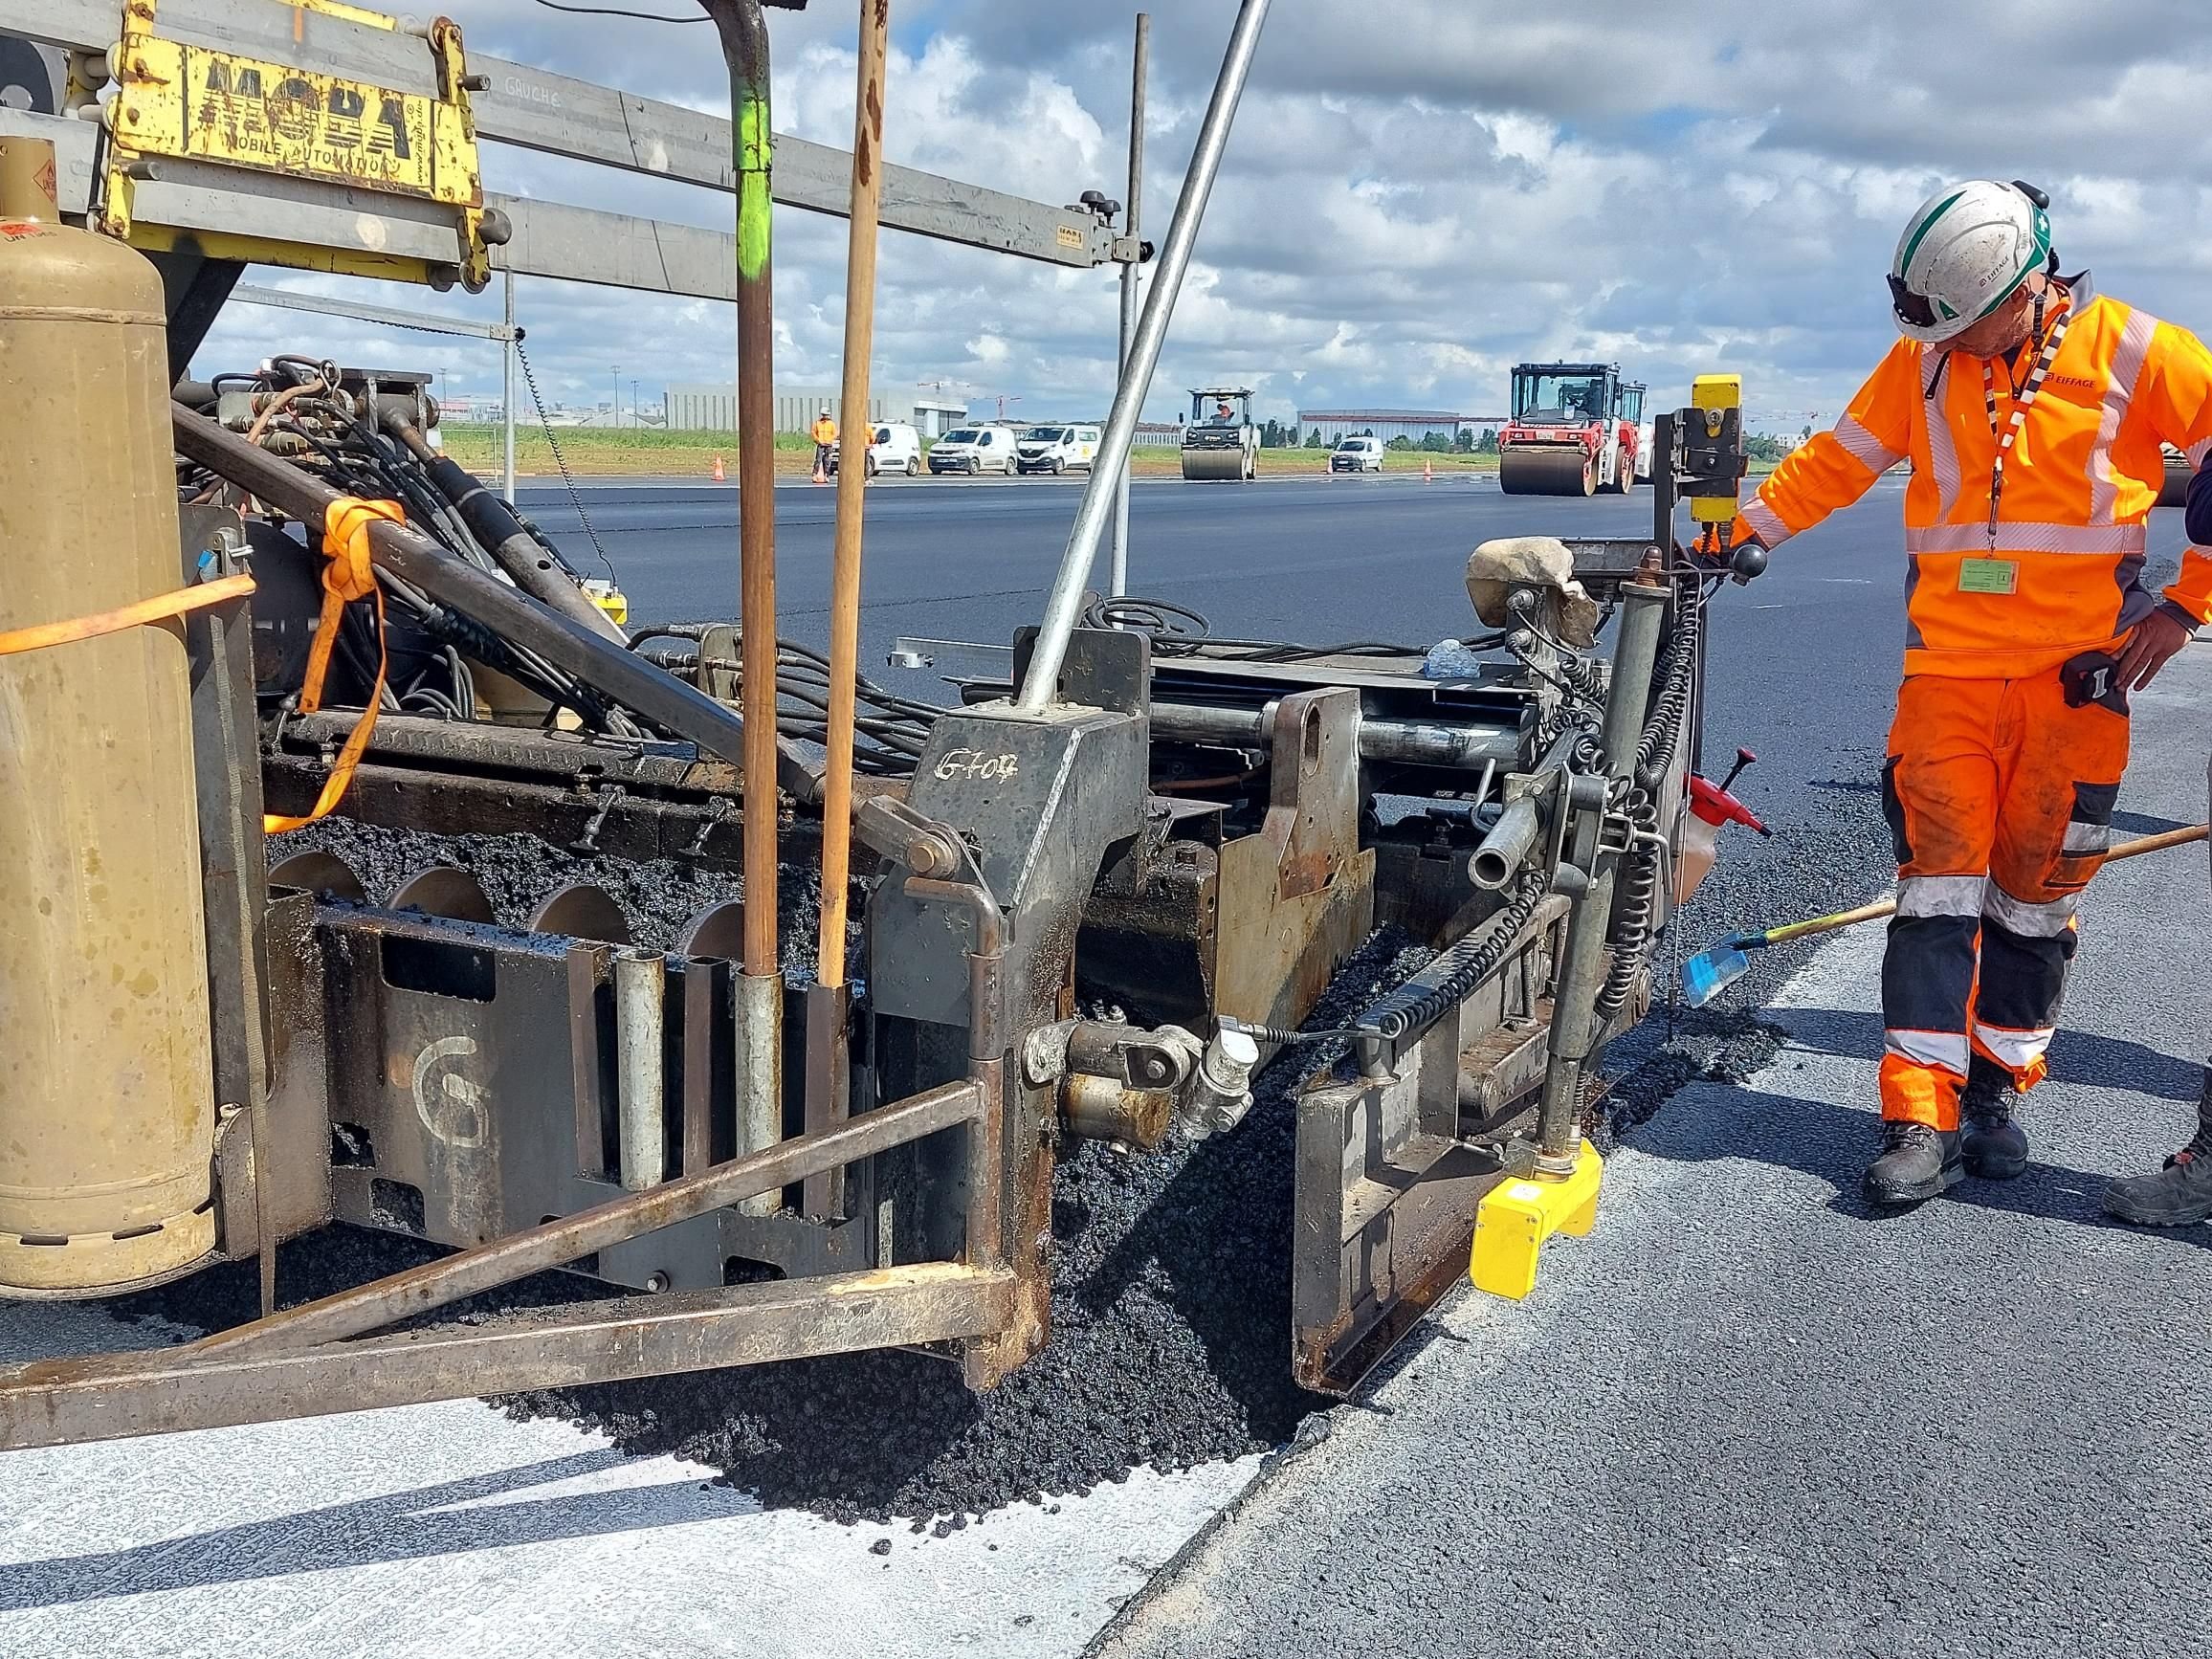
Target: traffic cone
[[719, 475], [820, 476], [1428, 471]]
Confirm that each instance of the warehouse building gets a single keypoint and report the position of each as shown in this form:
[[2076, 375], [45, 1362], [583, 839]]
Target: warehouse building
[[714, 408], [1412, 424]]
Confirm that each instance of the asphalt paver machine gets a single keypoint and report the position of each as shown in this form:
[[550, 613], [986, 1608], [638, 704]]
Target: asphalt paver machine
[[1087, 903]]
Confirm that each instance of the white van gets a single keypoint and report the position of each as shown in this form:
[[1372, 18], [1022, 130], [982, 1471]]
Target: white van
[[978, 448], [1056, 449], [1356, 454], [896, 448]]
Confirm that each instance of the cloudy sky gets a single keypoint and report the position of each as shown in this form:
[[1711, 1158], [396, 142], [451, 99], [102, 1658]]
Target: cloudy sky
[[1418, 193]]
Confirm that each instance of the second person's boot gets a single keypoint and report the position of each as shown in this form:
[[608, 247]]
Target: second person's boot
[[2181, 1192]]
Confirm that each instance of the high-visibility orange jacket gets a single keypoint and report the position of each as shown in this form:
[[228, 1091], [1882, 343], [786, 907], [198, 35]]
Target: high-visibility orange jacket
[[2062, 574], [825, 431]]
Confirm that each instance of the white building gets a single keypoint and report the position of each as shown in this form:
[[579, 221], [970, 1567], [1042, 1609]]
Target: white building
[[714, 408]]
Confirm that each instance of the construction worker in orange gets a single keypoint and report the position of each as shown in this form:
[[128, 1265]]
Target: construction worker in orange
[[825, 434], [2031, 411]]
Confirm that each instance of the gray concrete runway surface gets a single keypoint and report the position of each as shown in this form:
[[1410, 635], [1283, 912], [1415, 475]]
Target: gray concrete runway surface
[[1743, 1418]]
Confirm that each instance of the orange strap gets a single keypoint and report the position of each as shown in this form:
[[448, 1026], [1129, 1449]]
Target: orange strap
[[197, 597], [347, 576]]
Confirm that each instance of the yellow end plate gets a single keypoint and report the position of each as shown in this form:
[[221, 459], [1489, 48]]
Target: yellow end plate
[[1717, 391]]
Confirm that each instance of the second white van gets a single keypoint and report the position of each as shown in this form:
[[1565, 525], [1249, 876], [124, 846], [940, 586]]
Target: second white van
[[1056, 449]]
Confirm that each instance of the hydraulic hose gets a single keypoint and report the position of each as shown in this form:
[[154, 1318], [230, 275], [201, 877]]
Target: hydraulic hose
[[501, 534]]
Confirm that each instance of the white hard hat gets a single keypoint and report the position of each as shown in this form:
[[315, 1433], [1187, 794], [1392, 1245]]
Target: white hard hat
[[1964, 253]]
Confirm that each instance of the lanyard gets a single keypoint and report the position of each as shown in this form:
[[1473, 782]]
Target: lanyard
[[2023, 397]]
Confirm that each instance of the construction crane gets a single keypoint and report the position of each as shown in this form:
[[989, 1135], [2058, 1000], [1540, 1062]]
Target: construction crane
[[234, 1042]]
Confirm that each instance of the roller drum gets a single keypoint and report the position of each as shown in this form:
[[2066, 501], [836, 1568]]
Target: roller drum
[[1544, 472], [106, 1111], [1214, 466]]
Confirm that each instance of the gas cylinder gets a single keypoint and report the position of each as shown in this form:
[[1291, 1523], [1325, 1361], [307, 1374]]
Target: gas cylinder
[[107, 1117]]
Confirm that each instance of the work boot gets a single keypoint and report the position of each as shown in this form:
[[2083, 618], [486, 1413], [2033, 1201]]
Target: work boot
[[2178, 1193], [1916, 1162], [1991, 1145]]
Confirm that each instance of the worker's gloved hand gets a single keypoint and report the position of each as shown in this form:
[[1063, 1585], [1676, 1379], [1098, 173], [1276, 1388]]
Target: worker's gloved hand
[[2149, 648], [1746, 557], [1739, 560]]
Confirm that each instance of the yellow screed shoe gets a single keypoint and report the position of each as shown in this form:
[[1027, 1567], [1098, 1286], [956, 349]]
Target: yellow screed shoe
[[1512, 1222]]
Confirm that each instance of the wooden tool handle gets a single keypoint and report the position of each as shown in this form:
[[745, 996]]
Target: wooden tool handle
[[2135, 849]]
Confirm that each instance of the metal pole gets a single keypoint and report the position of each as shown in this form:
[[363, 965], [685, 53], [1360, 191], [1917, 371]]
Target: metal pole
[[760, 987], [1644, 605], [1131, 226], [1082, 552], [640, 1070], [745, 45], [507, 397], [851, 487]]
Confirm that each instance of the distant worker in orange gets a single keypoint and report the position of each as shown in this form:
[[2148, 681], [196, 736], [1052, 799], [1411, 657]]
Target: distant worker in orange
[[824, 436], [2032, 410]]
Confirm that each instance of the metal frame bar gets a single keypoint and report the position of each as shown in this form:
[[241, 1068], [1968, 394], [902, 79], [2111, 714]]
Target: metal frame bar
[[555, 115], [251, 294], [108, 1397], [454, 1278]]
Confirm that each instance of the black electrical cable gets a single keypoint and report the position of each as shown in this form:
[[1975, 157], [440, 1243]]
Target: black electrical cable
[[1179, 631], [618, 11]]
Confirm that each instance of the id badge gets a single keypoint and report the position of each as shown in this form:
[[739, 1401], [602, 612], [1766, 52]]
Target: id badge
[[1988, 576]]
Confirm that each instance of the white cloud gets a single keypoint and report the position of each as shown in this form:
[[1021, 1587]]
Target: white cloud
[[1419, 192]]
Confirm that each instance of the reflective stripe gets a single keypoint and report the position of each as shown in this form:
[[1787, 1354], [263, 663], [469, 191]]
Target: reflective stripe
[[1943, 454], [1863, 446], [1943, 1048], [2127, 359], [1920, 896], [1765, 522], [2028, 535], [2016, 1050], [2083, 837], [2046, 920]]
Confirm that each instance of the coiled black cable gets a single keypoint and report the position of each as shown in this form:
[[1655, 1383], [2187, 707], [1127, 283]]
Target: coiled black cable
[[1637, 897], [1438, 988], [1636, 918], [1669, 711]]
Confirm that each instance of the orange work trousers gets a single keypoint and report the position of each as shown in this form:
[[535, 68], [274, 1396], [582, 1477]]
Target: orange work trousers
[[1999, 797]]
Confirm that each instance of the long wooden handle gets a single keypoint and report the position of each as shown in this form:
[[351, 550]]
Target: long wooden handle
[[2135, 849], [859, 438]]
